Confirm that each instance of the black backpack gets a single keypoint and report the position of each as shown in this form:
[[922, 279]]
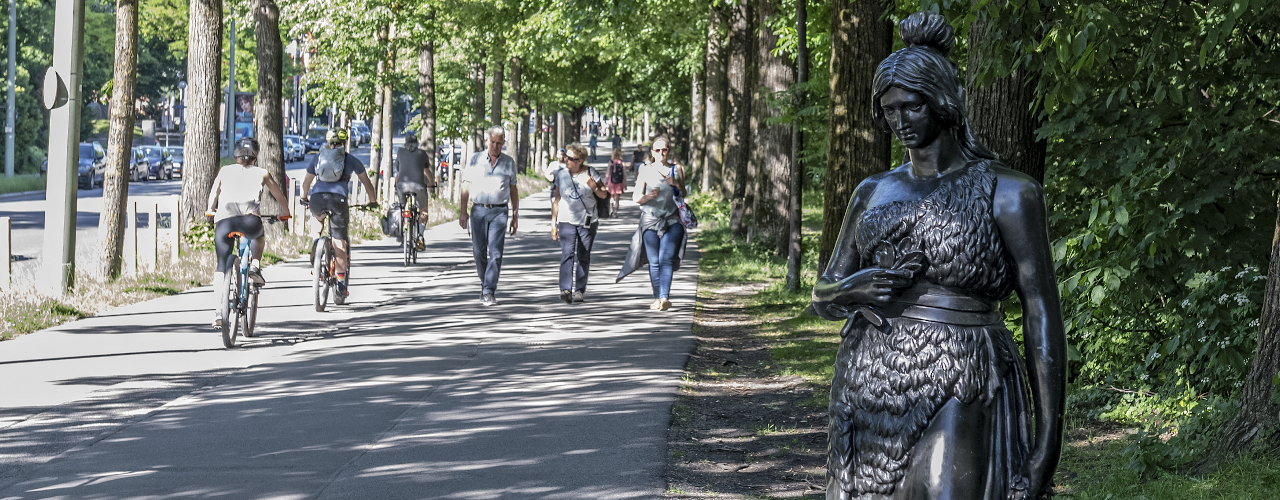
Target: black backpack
[[616, 174]]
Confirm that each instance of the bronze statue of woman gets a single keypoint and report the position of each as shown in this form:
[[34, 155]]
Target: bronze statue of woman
[[931, 398]]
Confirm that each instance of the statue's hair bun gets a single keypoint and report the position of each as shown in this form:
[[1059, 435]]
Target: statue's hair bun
[[927, 29]]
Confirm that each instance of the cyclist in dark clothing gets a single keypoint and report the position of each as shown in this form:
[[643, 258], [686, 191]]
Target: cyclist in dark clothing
[[414, 175], [332, 196]]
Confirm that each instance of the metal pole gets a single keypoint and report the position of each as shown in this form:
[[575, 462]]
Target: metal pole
[[10, 108], [57, 272], [231, 95]]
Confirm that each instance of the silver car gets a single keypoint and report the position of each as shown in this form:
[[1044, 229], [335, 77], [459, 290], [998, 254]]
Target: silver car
[[294, 149]]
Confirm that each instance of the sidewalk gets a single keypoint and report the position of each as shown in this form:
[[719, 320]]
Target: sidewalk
[[413, 390]]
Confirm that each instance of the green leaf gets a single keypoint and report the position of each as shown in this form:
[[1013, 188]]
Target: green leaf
[[1097, 294], [1122, 215]]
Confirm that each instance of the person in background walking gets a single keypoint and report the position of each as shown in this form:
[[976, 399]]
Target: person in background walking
[[488, 186], [593, 146], [616, 180], [573, 220], [660, 239], [616, 141], [555, 165]]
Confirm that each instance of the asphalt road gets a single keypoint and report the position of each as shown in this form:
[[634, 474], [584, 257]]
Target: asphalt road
[[412, 390], [27, 213]]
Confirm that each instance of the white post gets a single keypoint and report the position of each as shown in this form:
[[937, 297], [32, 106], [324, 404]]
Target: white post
[[153, 220], [6, 251], [57, 273], [175, 236], [129, 264]]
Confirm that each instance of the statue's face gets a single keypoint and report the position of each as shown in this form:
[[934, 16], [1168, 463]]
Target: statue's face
[[908, 115]]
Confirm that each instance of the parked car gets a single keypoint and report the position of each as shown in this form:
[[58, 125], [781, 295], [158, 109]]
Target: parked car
[[175, 160], [92, 164], [158, 165], [362, 133], [138, 166], [294, 149], [315, 138]]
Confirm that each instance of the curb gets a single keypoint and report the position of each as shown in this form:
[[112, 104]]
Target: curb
[[15, 195]]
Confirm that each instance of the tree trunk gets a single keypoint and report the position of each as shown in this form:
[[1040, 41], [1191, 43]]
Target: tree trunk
[[1258, 411], [860, 39], [561, 136], [697, 144], [771, 149], [717, 88], [427, 87], [1002, 113], [115, 187], [478, 101], [795, 204], [376, 131], [495, 107], [268, 113], [522, 101], [388, 133], [573, 125], [738, 139], [204, 82]]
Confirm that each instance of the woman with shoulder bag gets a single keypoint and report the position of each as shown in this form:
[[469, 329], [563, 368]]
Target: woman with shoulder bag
[[573, 220], [660, 239]]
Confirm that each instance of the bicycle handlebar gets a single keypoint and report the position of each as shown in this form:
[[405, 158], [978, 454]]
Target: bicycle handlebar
[[271, 219]]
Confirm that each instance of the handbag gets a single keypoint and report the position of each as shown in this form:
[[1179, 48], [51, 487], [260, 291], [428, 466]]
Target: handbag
[[687, 218]]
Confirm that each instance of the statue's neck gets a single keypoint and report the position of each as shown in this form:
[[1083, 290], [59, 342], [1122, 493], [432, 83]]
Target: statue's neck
[[939, 158]]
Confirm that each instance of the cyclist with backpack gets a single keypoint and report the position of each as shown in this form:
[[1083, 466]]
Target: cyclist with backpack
[[616, 180], [413, 176], [331, 171], [234, 200]]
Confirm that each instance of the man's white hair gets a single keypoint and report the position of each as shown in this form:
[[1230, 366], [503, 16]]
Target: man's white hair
[[496, 130]]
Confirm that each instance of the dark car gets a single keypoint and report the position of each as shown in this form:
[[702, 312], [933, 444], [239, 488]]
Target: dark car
[[158, 165], [175, 161], [91, 164], [138, 166], [362, 132], [315, 138]]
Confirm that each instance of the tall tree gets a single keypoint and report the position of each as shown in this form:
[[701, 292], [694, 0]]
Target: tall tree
[[717, 89], [860, 38], [495, 107], [738, 139], [1002, 110], [478, 99], [427, 87], [268, 112], [522, 101], [796, 205], [115, 187], [771, 144], [697, 143], [204, 78], [1259, 404]]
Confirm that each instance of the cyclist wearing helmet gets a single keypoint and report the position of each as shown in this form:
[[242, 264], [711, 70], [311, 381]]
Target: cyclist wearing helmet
[[331, 172], [414, 175], [233, 200]]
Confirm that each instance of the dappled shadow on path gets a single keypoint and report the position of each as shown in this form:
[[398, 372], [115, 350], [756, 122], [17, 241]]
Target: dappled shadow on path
[[426, 395]]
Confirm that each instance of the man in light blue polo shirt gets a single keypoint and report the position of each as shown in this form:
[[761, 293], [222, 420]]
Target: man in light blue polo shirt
[[488, 186]]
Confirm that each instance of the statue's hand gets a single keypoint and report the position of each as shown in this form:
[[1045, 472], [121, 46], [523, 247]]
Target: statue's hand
[[873, 286]]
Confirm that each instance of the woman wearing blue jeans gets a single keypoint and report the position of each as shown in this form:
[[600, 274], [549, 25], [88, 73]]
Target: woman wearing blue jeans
[[660, 228]]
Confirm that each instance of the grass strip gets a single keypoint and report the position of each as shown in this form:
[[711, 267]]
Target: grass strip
[[21, 183]]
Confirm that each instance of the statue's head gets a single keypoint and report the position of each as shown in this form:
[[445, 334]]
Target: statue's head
[[922, 72]]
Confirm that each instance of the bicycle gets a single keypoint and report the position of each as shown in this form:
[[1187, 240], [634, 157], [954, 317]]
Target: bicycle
[[324, 263], [409, 232], [240, 309]]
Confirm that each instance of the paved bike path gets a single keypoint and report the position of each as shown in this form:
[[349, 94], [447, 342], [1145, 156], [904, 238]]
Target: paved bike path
[[413, 390]]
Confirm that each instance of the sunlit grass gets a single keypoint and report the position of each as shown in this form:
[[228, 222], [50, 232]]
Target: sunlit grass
[[21, 183]]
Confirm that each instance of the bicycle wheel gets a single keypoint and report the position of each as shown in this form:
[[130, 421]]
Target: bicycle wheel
[[320, 275], [407, 239], [230, 307], [251, 311]]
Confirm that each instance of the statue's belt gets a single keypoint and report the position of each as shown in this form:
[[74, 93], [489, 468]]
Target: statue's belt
[[926, 301]]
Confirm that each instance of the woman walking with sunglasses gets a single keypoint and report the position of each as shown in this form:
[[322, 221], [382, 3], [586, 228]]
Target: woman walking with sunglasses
[[660, 239], [573, 220]]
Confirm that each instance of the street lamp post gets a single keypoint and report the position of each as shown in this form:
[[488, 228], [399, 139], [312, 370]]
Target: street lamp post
[[9, 107], [57, 271]]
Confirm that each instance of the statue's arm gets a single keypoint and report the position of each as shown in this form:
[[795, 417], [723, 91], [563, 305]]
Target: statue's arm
[[845, 261], [1021, 217]]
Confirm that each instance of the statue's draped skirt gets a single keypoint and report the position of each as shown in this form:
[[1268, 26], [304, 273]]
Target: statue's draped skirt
[[891, 379]]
